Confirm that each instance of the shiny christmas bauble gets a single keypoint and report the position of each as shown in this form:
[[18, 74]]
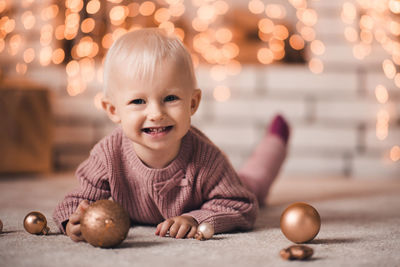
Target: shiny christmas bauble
[[300, 222], [36, 223], [204, 231], [105, 224]]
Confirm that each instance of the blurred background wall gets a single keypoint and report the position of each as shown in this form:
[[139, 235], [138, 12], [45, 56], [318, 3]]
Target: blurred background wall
[[330, 67]]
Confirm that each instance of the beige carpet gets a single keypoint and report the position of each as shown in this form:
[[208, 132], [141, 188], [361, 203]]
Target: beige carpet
[[360, 227]]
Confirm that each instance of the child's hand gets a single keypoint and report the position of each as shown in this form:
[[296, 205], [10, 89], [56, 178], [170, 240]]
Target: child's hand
[[179, 227], [73, 228]]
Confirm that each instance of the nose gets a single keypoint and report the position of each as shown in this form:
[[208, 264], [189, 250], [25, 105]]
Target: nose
[[155, 112]]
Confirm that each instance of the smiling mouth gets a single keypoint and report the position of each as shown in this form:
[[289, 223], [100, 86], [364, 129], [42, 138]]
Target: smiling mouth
[[156, 130]]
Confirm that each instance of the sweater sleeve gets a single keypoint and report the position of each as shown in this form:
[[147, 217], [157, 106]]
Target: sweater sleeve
[[227, 205], [91, 175]]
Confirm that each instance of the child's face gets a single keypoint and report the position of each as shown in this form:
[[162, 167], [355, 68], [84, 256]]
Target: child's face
[[155, 116]]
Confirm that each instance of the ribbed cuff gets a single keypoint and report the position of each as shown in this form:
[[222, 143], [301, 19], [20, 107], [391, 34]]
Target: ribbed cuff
[[202, 216], [63, 211], [222, 222]]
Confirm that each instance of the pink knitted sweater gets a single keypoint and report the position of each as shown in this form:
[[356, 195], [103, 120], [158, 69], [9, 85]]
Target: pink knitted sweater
[[200, 182]]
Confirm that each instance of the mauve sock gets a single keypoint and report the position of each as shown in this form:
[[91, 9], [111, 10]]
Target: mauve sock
[[261, 169], [280, 127]]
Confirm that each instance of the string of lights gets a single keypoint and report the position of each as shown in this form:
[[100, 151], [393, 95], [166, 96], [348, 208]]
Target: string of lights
[[77, 34], [376, 21]]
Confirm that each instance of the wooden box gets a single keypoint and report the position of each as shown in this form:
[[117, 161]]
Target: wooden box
[[26, 127]]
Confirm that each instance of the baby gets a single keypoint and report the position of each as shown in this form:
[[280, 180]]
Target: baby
[[162, 170]]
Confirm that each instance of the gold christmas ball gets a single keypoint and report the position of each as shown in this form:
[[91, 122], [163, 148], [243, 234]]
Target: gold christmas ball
[[300, 222], [105, 224], [1, 226], [204, 231], [36, 223]]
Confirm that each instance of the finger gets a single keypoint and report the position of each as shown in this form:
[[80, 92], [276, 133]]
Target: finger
[[74, 238], [158, 229], [75, 233], [77, 238], [192, 232], [83, 206], [75, 230], [74, 218], [165, 227], [183, 230], [173, 230]]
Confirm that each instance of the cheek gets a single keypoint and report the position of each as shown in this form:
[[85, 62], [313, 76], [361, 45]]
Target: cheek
[[187, 107], [176, 109], [184, 113], [132, 120]]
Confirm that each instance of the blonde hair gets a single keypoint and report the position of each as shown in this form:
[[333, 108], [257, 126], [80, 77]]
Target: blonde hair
[[137, 54]]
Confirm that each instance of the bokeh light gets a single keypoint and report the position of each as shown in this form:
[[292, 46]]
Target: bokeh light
[[296, 42], [395, 153], [88, 25], [265, 56], [28, 20], [58, 56], [45, 55], [317, 47], [381, 94], [29, 55], [78, 33], [93, 6], [97, 100], [222, 93], [147, 8], [316, 65], [21, 68], [376, 22], [256, 6], [389, 68], [275, 11], [382, 124]]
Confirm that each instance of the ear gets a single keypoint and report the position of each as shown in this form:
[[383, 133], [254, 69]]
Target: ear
[[110, 109], [195, 101]]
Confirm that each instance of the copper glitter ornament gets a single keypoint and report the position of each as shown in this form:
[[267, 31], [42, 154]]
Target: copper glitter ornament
[[296, 252], [36, 223], [204, 231], [300, 222], [105, 224]]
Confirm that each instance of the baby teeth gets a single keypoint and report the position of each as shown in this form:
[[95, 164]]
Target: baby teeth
[[157, 130]]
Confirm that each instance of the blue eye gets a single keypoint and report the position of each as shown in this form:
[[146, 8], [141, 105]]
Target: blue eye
[[137, 101], [171, 98]]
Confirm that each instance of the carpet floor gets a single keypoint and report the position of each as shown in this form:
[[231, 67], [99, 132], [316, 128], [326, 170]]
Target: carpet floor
[[360, 227]]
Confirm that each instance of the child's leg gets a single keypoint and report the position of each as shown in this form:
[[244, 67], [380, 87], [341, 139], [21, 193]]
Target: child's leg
[[263, 166]]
